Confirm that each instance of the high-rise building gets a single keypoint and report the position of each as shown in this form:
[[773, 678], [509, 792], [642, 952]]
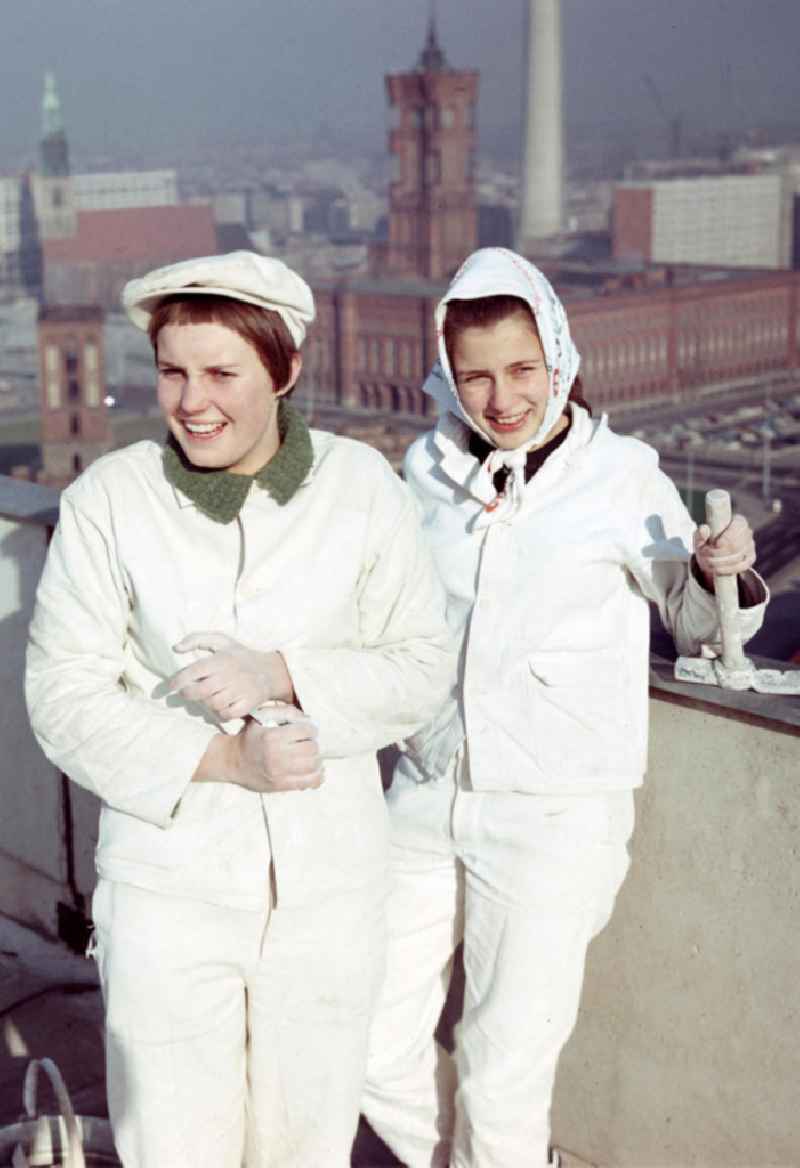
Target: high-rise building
[[542, 208], [732, 219], [10, 191], [74, 418], [432, 210]]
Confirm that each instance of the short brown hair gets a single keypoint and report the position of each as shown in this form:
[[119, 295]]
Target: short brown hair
[[485, 311], [262, 328]]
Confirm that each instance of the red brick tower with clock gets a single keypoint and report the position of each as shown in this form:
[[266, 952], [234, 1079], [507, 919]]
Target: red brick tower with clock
[[432, 209]]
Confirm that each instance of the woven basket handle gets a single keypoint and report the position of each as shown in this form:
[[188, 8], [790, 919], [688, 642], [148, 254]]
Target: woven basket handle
[[72, 1155]]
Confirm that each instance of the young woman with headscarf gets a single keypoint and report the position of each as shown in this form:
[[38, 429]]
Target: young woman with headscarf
[[248, 566], [511, 811]]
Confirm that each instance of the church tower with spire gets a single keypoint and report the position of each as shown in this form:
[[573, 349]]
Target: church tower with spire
[[432, 211], [53, 149], [52, 187]]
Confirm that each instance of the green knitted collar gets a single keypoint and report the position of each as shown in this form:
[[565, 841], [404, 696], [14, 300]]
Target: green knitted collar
[[220, 494]]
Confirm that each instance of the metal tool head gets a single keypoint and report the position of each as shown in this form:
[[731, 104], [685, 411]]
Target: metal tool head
[[713, 671], [775, 681]]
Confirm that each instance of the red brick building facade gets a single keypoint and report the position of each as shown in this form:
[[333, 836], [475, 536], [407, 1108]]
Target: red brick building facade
[[108, 248], [633, 223], [74, 418], [374, 341]]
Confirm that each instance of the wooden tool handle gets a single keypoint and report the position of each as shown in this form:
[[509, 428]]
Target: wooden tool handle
[[726, 588]]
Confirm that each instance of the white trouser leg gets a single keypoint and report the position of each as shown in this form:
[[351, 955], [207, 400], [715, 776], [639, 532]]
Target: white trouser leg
[[410, 1078], [541, 877], [310, 1002], [216, 1041], [172, 972]]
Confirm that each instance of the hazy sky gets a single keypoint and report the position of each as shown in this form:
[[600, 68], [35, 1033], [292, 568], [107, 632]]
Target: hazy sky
[[134, 71]]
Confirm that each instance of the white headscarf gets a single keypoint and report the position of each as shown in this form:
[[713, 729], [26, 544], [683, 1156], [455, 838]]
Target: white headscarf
[[496, 271]]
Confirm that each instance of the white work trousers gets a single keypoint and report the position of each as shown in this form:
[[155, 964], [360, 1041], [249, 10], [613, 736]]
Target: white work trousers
[[526, 881], [236, 1037]]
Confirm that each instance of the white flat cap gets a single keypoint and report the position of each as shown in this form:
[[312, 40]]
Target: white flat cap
[[241, 275]]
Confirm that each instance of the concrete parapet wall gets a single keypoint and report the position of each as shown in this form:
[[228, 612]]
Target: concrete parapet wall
[[686, 1048], [40, 857]]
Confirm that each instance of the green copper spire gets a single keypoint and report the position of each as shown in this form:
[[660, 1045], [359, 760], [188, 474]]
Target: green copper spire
[[53, 148], [52, 121]]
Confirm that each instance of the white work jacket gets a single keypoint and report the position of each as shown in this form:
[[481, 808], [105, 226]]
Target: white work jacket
[[339, 579], [550, 605]]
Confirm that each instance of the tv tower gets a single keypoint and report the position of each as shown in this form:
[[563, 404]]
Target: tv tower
[[542, 205]]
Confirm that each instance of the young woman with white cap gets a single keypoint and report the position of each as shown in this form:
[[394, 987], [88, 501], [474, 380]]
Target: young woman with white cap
[[226, 629], [511, 811]]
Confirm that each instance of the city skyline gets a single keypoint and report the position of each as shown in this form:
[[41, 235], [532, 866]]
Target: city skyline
[[192, 74]]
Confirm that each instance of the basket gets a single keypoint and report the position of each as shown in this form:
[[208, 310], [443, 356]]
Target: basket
[[65, 1140]]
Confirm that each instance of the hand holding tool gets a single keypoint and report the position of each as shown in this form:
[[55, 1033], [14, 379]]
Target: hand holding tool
[[732, 670]]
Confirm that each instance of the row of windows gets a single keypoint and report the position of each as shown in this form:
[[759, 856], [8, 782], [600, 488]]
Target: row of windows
[[433, 117], [736, 344], [62, 367], [650, 354], [397, 398], [432, 169], [635, 355], [390, 356]]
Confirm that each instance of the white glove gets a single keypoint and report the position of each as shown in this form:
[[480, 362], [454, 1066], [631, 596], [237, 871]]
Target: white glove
[[732, 552], [279, 754], [234, 680]]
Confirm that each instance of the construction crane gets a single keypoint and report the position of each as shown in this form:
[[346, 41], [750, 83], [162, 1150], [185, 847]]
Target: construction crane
[[674, 121]]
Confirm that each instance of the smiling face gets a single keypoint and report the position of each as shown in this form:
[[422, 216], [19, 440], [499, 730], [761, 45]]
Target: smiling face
[[217, 397], [502, 379]]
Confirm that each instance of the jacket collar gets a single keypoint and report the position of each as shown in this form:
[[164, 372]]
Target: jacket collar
[[451, 440], [221, 495]]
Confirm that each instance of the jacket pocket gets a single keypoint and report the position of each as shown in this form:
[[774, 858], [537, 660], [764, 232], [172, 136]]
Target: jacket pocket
[[581, 723]]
